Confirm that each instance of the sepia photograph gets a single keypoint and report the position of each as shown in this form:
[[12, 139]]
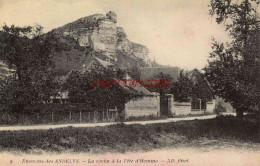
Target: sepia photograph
[[129, 82]]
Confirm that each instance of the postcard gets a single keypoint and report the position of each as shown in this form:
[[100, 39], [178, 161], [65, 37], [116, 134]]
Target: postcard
[[129, 82]]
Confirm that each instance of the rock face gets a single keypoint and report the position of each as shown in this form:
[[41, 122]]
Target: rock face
[[112, 16], [130, 48], [99, 34]]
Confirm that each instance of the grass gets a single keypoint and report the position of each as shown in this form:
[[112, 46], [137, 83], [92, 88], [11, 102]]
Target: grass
[[192, 115], [152, 117], [144, 118], [220, 132], [34, 120]]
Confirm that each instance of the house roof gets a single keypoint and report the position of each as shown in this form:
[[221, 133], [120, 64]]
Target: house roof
[[92, 58], [136, 90], [142, 91], [150, 72]]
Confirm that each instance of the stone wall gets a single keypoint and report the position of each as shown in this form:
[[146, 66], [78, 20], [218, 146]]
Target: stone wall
[[150, 105], [211, 106], [184, 108], [170, 104], [180, 109], [209, 109], [198, 112], [145, 106]]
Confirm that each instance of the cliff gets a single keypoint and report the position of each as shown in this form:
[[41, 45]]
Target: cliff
[[97, 35]]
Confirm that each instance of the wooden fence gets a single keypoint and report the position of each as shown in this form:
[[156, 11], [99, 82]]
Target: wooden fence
[[109, 115]]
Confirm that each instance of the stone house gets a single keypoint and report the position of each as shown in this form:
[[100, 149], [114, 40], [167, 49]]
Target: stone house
[[96, 63], [5, 71]]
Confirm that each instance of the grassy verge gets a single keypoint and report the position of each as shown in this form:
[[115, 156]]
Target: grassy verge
[[215, 133], [193, 115], [66, 121], [144, 118]]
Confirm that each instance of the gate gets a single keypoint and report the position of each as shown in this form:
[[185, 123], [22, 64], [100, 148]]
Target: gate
[[164, 106]]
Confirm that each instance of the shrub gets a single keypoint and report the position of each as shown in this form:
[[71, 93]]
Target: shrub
[[219, 108]]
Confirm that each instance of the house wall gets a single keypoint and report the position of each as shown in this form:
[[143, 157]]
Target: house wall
[[145, 106]]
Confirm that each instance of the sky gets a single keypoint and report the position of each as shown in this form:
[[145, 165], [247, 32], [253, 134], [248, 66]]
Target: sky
[[177, 32]]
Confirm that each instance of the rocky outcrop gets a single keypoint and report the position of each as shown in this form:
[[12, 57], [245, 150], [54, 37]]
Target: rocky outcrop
[[131, 49], [141, 52], [123, 44], [99, 34], [112, 16]]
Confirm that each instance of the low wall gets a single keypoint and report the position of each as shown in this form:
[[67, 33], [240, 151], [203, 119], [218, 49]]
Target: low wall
[[211, 106], [209, 109], [184, 108], [145, 106], [181, 109], [197, 111], [150, 106]]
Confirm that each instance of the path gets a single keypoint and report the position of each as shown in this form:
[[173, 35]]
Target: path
[[46, 127]]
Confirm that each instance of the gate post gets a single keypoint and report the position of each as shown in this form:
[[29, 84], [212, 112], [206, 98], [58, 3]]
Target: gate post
[[158, 105], [170, 104]]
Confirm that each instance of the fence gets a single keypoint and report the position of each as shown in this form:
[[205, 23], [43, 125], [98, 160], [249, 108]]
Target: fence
[[109, 115]]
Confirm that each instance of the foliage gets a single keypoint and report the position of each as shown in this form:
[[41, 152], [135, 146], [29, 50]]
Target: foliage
[[191, 85], [161, 90], [182, 87], [28, 52], [219, 108], [81, 90], [232, 70]]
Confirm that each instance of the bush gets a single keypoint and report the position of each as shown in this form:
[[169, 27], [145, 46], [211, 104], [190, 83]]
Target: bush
[[64, 47], [219, 108]]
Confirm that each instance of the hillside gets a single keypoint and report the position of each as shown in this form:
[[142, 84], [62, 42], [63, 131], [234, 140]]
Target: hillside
[[97, 35]]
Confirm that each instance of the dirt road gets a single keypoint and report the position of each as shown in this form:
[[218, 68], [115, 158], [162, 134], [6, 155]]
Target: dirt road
[[46, 127]]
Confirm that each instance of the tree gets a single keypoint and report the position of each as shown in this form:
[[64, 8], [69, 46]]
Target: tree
[[28, 51], [191, 85], [81, 90], [135, 72], [182, 88], [232, 69], [161, 89]]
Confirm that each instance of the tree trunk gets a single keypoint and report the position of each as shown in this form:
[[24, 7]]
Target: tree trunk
[[240, 112]]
